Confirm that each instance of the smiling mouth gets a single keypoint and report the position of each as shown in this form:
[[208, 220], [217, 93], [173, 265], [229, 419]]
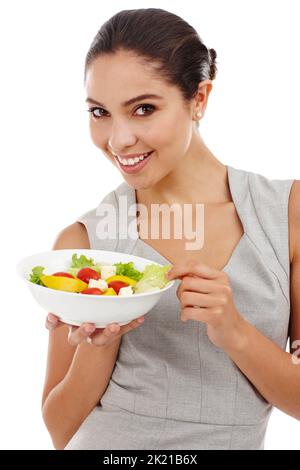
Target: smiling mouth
[[131, 162]]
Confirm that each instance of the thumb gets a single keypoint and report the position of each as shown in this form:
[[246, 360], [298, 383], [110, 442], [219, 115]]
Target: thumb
[[133, 324]]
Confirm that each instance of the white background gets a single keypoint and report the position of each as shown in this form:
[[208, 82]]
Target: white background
[[51, 172]]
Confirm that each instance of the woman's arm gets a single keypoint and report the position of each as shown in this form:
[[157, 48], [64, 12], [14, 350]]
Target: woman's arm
[[77, 373], [72, 399], [76, 376], [294, 217], [276, 373]]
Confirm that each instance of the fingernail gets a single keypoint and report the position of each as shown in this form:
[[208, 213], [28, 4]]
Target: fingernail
[[51, 319], [140, 320], [89, 329]]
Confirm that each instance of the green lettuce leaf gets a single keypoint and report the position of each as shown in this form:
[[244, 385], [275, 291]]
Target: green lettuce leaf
[[82, 262], [128, 269], [153, 278], [74, 271], [36, 274]]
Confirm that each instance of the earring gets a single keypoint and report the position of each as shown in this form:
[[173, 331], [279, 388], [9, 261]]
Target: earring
[[198, 115]]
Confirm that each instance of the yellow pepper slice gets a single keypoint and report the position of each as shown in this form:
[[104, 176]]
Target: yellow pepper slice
[[64, 283], [119, 277], [110, 291]]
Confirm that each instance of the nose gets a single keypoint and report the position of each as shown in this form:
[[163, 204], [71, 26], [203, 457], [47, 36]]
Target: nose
[[121, 138]]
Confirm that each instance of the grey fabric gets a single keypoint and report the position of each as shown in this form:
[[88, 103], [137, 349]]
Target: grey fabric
[[171, 388]]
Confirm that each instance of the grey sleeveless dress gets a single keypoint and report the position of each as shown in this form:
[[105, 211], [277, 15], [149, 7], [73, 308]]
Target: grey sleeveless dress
[[171, 388]]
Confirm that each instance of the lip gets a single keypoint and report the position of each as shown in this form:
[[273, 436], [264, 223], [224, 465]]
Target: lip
[[136, 168]]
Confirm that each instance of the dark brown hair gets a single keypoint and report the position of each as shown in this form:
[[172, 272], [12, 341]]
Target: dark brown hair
[[161, 40]]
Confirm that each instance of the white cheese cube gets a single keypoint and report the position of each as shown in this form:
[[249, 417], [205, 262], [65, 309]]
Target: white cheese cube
[[107, 271], [100, 283], [126, 291]]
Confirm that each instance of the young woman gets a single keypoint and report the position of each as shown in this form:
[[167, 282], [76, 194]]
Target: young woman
[[204, 369]]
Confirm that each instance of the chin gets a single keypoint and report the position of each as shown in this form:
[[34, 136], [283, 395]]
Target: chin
[[136, 185]]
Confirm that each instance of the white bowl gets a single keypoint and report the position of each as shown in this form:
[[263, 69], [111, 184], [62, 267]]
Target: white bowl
[[76, 309]]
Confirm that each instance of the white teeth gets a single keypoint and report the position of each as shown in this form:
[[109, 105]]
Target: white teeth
[[132, 161]]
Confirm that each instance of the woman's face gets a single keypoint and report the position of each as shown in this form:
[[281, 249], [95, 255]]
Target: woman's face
[[163, 125]]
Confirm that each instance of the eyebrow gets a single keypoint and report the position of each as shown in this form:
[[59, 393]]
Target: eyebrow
[[131, 101]]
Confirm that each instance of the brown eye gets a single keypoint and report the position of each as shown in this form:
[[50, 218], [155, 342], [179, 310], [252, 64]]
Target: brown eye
[[149, 110], [92, 110], [147, 106]]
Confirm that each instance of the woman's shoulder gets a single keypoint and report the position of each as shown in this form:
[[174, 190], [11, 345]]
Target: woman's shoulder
[[73, 236], [269, 195], [273, 203], [283, 197], [264, 181]]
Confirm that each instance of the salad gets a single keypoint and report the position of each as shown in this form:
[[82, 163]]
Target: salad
[[84, 276]]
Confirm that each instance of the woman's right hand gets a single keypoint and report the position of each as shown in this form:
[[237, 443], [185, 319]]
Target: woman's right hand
[[88, 333]]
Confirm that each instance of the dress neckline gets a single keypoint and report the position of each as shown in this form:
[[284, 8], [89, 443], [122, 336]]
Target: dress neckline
[[235, 201]]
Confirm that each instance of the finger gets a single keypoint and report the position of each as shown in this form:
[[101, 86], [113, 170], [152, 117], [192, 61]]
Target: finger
[[190, 299], [133, 324], [104, 336], [79, 334], [196, 284], [130, 326], [197, 314], [52, 321], [193, 267]]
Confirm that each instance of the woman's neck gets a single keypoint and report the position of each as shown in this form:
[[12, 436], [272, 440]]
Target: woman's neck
[[200, 178]]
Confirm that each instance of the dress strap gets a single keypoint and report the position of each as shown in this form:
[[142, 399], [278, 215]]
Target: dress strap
[[262, 205]]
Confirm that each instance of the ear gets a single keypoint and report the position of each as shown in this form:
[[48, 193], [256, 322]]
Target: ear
[[201, 99]]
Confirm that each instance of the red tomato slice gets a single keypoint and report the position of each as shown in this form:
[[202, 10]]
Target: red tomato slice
[[63, 274], [92, 291], [117, 285], [85, 274]]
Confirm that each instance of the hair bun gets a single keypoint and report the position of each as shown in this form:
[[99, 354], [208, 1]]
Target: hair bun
[[212, 55]]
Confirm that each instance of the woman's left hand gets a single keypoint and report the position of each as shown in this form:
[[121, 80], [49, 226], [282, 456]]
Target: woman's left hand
[[206, 295]]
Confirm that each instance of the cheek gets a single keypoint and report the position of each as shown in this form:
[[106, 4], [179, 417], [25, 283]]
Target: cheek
[[96, 136], [162, 135], [174, 130], [172, 140], [99, 140]]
